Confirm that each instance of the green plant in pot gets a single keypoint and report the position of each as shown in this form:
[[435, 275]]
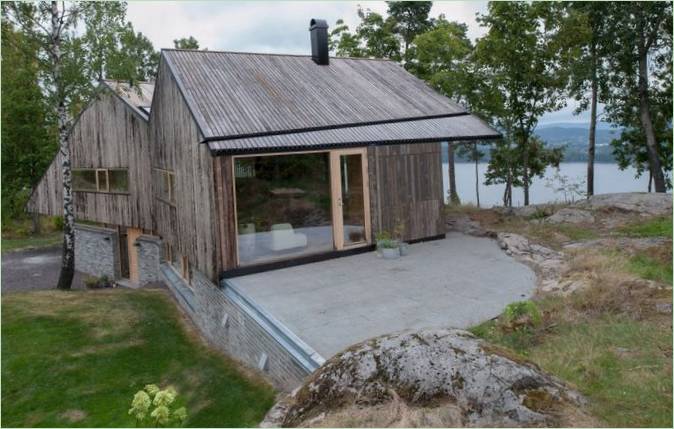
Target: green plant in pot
[[390, 249]]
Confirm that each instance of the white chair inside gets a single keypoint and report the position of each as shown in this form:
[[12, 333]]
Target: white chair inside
[[284, 237]]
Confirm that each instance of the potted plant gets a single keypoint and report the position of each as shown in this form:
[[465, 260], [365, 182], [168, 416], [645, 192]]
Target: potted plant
[[399, 233], [390, 249]]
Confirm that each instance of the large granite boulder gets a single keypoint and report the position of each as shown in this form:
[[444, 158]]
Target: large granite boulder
[[646, 203], [571, 215], [434, 377]]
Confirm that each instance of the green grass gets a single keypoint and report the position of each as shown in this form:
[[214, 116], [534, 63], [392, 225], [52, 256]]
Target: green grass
[[650, 268], [657, 227], [31, 242], [622, 365], [86, 353]]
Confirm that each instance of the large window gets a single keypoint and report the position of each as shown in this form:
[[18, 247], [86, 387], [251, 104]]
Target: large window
[[283, 206], [112, 180]]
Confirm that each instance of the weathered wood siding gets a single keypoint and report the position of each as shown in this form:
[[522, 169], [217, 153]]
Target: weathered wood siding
[[406, 187], [190, 226], [224, 190], [108, 134]]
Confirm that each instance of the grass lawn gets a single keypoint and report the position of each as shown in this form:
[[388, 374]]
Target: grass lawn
[[77, 359], [32, 242]]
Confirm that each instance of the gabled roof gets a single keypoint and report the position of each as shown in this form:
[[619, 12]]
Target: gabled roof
[[236, 95], [138, 96]]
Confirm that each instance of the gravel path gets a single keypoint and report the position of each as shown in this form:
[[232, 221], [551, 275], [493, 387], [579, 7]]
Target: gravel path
[[35, 269]]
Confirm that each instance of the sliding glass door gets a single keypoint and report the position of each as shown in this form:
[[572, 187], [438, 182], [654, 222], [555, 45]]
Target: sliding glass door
[[297, 204]]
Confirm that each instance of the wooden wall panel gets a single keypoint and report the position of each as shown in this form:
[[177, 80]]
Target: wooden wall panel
[[107, 135], [190, 226], [406, 187], [226, 216]]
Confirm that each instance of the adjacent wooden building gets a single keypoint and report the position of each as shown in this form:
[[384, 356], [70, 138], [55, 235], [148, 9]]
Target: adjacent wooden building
[[242, 161]]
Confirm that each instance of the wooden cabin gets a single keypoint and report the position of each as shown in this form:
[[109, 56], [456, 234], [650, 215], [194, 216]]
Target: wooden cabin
[[243, 161], [236, 162]]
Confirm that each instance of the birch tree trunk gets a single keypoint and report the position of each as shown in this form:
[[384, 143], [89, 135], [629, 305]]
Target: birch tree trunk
[[68, 262]]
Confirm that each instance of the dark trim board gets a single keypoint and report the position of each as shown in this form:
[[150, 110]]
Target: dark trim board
[[318, 257], [308, 259], [300, 148]]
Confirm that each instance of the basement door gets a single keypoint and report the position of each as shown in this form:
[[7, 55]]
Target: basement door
[[350, 197], [132, 235]]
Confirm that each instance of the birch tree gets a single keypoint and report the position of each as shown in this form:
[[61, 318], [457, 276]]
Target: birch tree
[[50, 24]]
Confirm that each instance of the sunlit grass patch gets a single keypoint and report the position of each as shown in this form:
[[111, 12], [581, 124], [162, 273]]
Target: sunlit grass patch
[[656, 227], [77, 358], [651, 268], [32, 242]]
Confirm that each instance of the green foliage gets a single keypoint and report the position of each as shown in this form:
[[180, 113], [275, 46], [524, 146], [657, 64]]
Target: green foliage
[[656, 227], [186, 43], [162, 415], [382, 235], [92, 351], [641, 32], [519, 59], [650, 268], [27, 133], [388, 244], [98, 282], [520, 315]]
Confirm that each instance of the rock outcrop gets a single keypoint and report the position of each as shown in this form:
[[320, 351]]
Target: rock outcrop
[[547, 263], [650, 204], [571, 215], [435, 377]]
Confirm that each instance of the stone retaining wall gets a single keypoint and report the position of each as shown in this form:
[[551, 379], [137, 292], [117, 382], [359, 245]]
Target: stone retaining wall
[[97, 251], [232, 327]]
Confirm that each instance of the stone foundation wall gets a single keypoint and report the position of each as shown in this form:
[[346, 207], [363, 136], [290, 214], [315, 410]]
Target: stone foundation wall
[[149, 257], [233, 327], [97, 251]]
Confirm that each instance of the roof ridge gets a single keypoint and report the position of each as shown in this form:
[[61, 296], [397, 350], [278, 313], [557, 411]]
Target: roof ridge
[[144, 82], [271, 54]]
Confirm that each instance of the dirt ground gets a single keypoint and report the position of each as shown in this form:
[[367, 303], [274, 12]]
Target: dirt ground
[[35, 269]]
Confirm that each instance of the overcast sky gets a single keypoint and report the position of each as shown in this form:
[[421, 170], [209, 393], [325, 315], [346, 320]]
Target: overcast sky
[[276, 27]]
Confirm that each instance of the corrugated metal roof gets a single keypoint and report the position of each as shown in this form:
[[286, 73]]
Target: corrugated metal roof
[[243, 94], [138, 96], [462, 127]]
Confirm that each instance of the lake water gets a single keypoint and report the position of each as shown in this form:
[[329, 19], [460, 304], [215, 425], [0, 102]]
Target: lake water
[[608, 178]]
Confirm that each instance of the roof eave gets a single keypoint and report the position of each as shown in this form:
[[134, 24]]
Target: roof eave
[[328, 146]]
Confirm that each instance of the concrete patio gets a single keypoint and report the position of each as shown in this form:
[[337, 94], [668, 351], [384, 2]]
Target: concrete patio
[[455, 282]]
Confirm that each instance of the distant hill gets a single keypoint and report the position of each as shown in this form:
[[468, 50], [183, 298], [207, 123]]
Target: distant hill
[[574, 137]]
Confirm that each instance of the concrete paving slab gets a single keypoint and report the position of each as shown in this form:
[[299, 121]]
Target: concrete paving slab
[[456, 282]]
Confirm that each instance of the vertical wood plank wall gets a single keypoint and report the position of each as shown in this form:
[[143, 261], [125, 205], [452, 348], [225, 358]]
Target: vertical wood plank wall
[[406, 187], [224, 190], [107, 135], [190, 226]]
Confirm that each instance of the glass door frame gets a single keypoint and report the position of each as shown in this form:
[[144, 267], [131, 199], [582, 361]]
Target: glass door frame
[[335, 195], [337, 206]]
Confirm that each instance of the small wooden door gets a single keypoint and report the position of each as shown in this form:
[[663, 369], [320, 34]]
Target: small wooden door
[[350, 197], [131, 235]]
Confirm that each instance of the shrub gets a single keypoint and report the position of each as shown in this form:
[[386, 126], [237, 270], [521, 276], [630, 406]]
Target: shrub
[[98, 282], [57, 223], [162, 415], [520, 315]]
